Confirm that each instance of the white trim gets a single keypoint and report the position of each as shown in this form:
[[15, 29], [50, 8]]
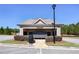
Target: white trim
[[39, 27], [21, 31], [58, 31]]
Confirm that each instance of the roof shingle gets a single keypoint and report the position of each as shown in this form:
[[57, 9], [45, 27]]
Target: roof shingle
[[33, 21]]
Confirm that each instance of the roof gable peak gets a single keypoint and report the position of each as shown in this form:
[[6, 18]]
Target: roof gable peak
[[39, 21]]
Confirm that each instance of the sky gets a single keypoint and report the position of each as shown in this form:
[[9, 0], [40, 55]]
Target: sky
[[13, 14]]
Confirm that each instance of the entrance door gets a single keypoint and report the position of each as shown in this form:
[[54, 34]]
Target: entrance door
[[39, 34]]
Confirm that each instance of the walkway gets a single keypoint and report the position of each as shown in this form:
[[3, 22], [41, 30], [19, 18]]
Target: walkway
[[40, 43]]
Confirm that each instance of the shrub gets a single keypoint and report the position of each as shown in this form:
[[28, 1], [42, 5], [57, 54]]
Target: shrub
[[50, 38], [58, 38], [20, 38]]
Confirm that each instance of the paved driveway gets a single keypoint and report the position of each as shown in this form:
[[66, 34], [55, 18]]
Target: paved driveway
[[6, 37], [73, 40]]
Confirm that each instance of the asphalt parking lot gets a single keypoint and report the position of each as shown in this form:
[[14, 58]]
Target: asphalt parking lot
[[5, 49], [16, 50]]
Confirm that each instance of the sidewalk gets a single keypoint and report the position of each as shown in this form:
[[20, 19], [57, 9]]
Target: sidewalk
[[40, 44]]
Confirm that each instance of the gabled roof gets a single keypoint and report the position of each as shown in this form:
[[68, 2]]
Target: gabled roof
[[40, 21], [37, 21]]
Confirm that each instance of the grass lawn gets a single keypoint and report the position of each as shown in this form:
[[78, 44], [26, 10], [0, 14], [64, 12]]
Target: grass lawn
[[14, 42], [62, 43]]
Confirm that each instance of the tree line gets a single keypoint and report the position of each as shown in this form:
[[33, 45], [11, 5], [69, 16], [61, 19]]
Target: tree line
[[71, 29], [8, 31]]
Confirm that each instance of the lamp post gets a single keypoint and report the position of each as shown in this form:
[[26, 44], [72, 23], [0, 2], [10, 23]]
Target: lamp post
[[53, 6]]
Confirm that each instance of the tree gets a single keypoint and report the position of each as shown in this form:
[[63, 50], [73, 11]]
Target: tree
[[71, 29], [16, 30], [1, 30], [64, 29], [8, 31]]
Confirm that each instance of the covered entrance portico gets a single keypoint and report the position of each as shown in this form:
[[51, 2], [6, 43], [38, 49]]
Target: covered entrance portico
[[38, 33]]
